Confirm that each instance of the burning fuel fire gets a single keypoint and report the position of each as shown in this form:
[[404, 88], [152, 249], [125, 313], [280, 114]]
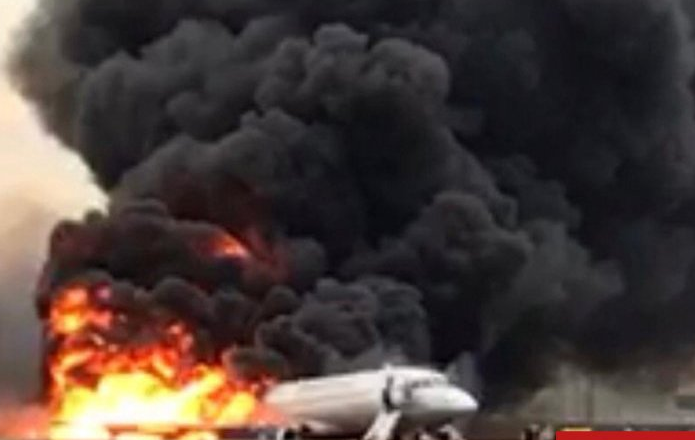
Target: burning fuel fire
[[148, 387]]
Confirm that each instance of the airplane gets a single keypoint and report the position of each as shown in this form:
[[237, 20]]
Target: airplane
[[394, 402]]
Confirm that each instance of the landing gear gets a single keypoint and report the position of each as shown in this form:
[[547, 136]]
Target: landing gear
[[424, 435], [446, 432], [449, 432]]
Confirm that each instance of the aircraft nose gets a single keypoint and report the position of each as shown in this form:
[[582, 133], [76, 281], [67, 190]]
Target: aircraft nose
[[448, 402], [460, 402]]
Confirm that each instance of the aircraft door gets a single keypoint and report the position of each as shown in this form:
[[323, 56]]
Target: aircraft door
[[395, 395]]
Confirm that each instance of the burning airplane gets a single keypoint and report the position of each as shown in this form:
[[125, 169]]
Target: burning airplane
[[114, 372], [156, 386]]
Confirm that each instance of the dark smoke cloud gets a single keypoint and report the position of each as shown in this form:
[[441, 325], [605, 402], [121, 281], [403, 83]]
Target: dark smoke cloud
[[511, 178]]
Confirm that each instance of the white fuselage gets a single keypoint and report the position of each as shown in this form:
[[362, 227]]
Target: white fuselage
[[349, 403]]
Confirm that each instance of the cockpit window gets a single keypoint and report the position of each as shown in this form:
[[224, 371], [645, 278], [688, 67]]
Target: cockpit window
[[425, 383]]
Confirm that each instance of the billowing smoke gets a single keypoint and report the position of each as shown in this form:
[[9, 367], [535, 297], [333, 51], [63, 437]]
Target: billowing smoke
[[424, 178]]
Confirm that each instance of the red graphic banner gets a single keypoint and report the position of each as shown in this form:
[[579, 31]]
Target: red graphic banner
[[625, 435]]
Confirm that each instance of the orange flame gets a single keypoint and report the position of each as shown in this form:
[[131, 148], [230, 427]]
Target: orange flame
[[226, 246], [136, 390]]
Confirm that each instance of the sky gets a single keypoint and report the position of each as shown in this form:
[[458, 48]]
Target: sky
[[40, 183]]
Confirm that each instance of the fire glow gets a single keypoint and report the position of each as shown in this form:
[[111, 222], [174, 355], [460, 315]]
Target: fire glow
[[148, 387], [227, 246]]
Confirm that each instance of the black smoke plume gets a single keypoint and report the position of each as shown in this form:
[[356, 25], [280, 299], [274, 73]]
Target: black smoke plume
[[512, 178]]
